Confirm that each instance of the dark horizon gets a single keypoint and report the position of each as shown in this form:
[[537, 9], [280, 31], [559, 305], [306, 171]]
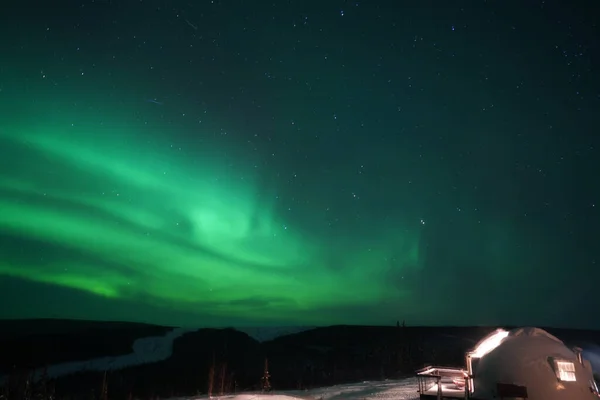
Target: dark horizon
[[305, 327], [304, 163]]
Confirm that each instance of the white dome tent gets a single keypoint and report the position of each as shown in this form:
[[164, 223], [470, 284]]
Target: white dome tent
[[528, 363]]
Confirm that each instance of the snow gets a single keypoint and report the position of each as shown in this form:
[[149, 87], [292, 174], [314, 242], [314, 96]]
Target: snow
[[509, 355], [150, 350], [262, 396], [403, 389], [157, 348], [145, 350]]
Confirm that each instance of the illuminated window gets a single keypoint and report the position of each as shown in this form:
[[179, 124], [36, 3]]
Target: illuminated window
[[565, 371]]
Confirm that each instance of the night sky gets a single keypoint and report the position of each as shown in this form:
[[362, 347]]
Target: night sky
[[236, 162]]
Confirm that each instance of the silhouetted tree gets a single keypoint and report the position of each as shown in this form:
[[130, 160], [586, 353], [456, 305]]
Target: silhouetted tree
[[222, 378], [211, 377], [266, 383], [104, 389]]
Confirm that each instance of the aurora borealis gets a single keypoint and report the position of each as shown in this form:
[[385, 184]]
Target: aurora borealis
[[311, 163]]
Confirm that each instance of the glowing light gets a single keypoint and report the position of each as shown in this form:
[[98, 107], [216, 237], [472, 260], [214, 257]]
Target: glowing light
[[489, 343], [565, 371]]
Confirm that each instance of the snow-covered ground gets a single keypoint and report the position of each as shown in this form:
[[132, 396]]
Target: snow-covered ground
[[150, 350], [144, 351], [158, 348], [405, 389]]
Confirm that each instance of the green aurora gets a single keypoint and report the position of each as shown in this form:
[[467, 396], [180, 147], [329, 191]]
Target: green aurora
[[236, 163], [144, 226]]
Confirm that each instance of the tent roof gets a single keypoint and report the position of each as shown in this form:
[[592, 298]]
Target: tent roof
[[525, 357], [494, 339]]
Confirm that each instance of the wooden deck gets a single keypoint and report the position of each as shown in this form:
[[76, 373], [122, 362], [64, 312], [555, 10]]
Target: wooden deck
[[449, 391], [442, 383]]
